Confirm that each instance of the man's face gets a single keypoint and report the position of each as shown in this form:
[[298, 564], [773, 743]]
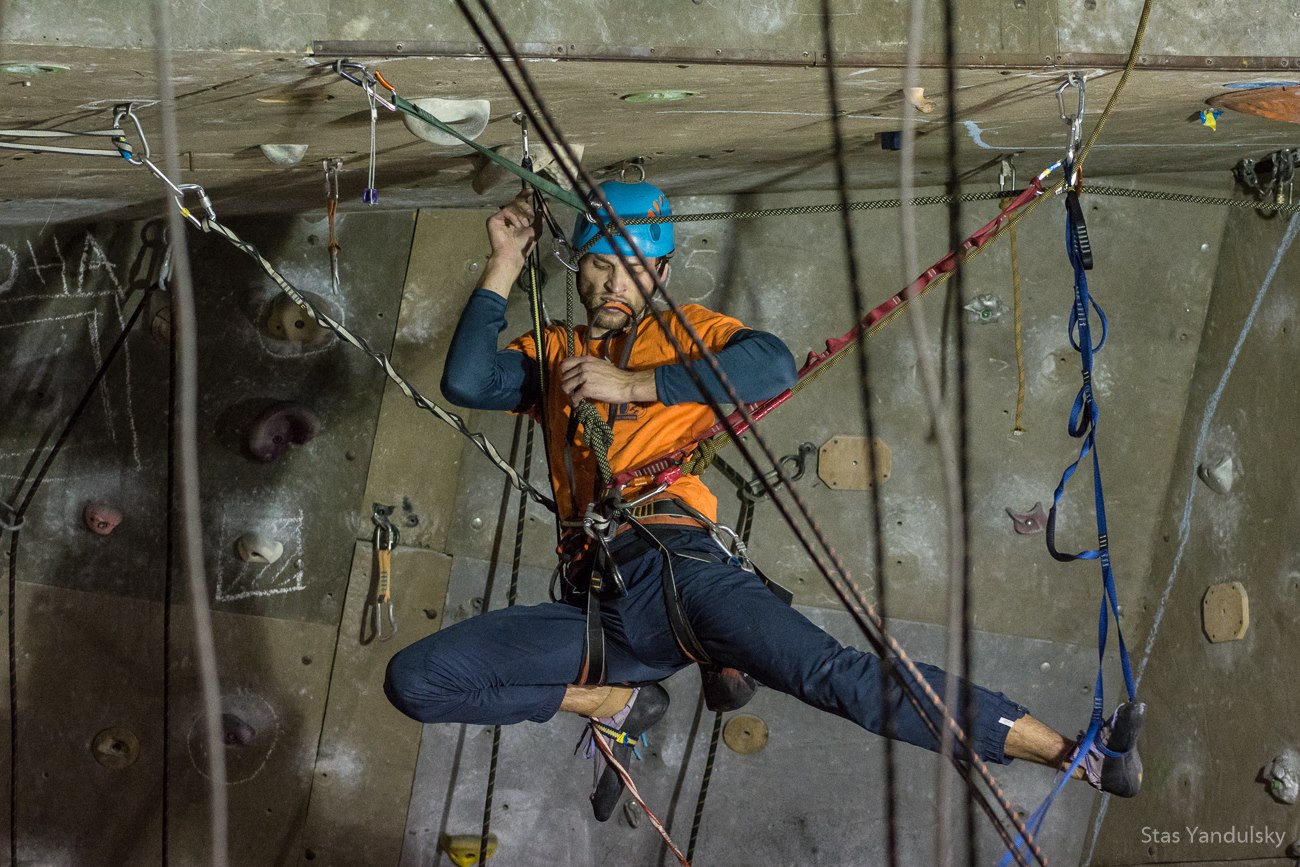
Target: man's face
[[613, 294]]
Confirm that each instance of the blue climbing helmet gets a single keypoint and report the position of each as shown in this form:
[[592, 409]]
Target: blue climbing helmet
[[629, 201]]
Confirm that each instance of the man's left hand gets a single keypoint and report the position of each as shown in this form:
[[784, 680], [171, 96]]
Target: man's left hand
[[586, 377]]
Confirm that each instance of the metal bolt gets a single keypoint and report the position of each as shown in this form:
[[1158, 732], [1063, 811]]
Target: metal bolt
[[1020, 4]]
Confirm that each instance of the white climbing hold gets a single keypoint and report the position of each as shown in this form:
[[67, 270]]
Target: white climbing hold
[[257, 548], [469, 117], [1219, 475]]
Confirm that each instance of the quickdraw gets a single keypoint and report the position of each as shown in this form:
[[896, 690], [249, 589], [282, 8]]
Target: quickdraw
[[371, 80], [210, 224]]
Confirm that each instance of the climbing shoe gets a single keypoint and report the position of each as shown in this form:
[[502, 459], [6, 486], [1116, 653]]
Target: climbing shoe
[[726, 689], [1117, 775], [623, 731]]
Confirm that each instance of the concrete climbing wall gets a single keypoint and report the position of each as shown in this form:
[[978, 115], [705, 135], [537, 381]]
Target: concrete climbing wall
[[1155, 271], [324, 771], [90, 665], [1221, 712]]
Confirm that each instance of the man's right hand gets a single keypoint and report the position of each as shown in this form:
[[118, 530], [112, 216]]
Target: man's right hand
[[513, 232]]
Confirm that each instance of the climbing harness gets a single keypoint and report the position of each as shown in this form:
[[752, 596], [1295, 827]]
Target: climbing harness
[[378, 621]]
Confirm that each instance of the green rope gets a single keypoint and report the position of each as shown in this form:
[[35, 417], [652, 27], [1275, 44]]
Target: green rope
[[597, 434], [531, 178]]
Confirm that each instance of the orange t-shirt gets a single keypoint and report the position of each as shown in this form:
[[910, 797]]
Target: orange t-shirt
[[643, 432]]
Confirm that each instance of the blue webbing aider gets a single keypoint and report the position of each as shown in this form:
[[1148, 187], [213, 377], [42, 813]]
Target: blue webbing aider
[[1083, 425]]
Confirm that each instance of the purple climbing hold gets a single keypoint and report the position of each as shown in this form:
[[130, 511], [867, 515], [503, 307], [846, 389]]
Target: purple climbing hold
[[101, 519], [281, 425], [1030, 522], [235, 732]]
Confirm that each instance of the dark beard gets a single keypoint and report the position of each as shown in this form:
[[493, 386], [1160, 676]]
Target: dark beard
[[611, 319]]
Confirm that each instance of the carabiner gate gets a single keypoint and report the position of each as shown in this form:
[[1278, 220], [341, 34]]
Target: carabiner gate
[[1076, 80]]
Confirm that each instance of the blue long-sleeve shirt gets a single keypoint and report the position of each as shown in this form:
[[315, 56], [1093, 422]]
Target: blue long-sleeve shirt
[[478, 375]]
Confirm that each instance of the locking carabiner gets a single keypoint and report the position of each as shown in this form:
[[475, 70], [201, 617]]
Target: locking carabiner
[[1079, 81]]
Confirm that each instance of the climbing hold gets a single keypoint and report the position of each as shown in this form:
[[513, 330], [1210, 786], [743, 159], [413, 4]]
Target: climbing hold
[[985, 308], [726, 689], [100, 518], [632, 813], [284, 155], [1210, 117], [279, 426], [469, 117], [160, 317], [463, 849], [256, 548], [1225, 612], [745, 734], [891, 141], [235, 732], [115, 748], [843, 461], [1219, 474], [1026, 523], [490, 174], [1282, 776], [916, 96], [286, 320]]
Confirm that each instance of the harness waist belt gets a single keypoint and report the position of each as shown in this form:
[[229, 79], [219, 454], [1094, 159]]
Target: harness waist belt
[[664, 512]]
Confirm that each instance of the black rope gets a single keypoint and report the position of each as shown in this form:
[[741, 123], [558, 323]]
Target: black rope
[[953, 189], [858, 300], [19, 516], [704, 783], [512, 593]]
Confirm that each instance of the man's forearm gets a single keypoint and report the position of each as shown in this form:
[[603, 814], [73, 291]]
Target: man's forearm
[[757, 365], [500, 274]]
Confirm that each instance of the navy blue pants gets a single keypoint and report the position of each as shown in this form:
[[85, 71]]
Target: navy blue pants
[[513, 664]]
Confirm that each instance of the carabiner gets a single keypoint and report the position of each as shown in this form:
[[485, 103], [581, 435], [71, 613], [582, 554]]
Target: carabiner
[[204, 202], [341, 65], [380, 602], [1006, 175], [1077, 80], [123, 112]]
